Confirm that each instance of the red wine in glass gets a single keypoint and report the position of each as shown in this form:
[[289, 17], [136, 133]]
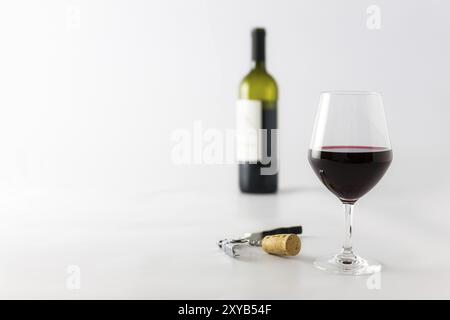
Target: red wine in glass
[[350, 171], [350, 151]]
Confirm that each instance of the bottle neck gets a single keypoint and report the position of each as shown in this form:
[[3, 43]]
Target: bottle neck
[[258, 65], [258, 48]]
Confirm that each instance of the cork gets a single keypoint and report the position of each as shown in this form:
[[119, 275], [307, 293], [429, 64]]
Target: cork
[[282, 244]]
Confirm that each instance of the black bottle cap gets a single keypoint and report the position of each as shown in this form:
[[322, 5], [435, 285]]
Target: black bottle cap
[[258, 45]]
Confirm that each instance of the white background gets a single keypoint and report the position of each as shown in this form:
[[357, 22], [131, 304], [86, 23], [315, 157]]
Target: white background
[[91, 91]]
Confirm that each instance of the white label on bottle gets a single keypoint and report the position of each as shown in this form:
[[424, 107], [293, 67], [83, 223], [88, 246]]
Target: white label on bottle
[[248, 130]]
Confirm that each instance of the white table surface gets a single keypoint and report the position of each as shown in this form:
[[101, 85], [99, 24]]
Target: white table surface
[[161, 244]]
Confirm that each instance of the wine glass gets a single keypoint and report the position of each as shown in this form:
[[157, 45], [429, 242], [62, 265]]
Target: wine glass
[[350, 151]]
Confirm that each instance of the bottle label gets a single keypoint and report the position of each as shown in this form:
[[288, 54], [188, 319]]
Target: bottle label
[[248, 130]]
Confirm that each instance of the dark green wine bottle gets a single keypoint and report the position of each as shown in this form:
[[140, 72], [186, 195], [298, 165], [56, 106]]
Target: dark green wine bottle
[[257, 123]]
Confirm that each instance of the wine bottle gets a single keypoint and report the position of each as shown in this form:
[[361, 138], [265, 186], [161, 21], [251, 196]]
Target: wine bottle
[[257, 124]]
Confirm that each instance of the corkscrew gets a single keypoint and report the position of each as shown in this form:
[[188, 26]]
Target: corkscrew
[[231, 246]]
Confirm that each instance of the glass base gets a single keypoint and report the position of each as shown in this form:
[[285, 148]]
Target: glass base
[[347, 263]]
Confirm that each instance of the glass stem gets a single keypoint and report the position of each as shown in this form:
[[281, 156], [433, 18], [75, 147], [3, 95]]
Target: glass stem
[[348, 249]]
